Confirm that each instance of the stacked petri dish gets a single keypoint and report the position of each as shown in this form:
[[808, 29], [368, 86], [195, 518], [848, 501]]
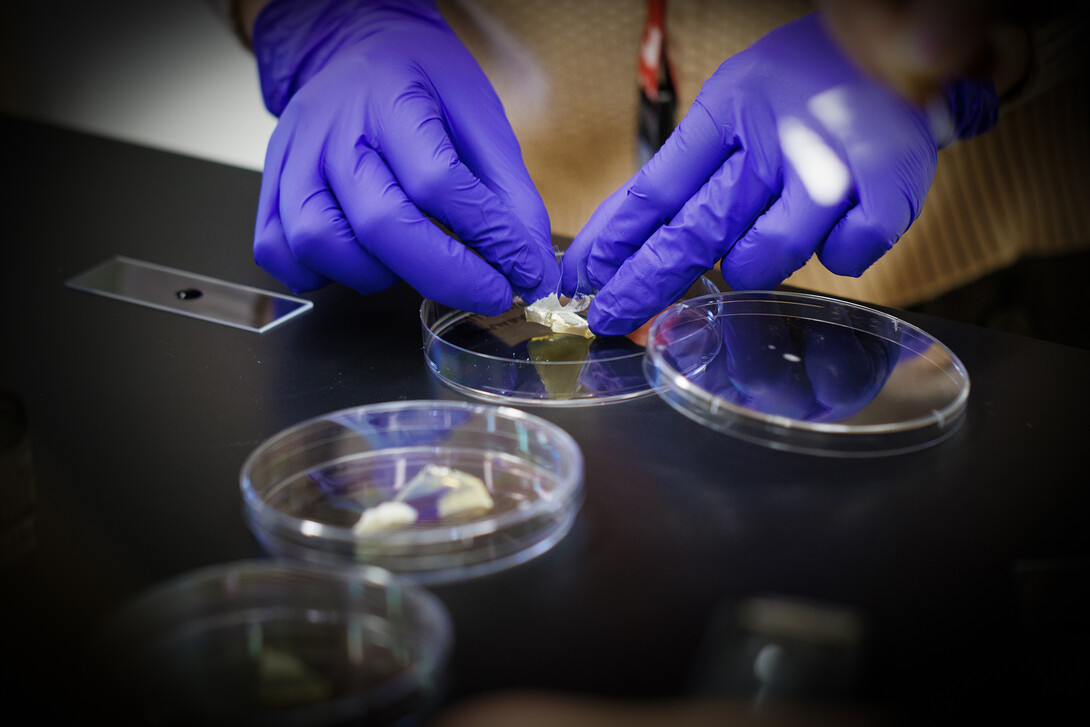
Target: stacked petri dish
[[275, 642], [359, 509], [806, 373]]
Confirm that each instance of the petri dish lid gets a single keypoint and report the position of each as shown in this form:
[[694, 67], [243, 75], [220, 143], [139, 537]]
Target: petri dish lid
[[438, 491], [806, 373], [509, 359], [279, 642]]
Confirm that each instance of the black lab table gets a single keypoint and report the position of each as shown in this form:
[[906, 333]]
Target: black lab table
[[967, 560]]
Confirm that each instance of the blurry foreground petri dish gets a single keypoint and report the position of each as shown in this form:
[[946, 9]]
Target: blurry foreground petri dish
[[506, 358], [439, 491], [270, 642], [806, 373]]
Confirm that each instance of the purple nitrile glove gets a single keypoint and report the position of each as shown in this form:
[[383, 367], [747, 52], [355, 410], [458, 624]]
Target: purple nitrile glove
[[788, 150], [386, 120]]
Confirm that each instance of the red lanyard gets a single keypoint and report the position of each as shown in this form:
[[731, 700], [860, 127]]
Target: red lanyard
[[653, 48], [658, 98]]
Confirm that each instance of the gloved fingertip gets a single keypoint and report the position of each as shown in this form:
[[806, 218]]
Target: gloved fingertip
[[852, 259], [300, 286], [552, 274], [532, 295], [533, 267], [573, 275], [281, 266], [749, 277], [496, 304], [973, 105], [603, 323], [568, 281]]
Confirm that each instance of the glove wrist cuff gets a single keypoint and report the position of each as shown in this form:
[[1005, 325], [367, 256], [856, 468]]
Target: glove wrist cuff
[[972, 107], [293, 39]]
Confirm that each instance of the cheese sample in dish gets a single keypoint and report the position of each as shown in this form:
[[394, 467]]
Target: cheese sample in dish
[[452, 491], [561, 317], [436, 492], [387, 516]]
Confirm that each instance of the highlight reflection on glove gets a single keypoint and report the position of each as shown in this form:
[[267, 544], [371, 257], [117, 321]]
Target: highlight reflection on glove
[[787, 151], [386, 120]]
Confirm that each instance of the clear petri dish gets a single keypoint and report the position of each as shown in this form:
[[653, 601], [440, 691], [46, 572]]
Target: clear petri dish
[[438, 491], [509, 359], [280, 643], [806, 373]]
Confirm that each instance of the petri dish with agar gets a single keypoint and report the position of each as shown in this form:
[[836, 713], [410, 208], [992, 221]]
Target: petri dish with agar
[[507, 358], [806, 373], [276, 642], [437, 491]]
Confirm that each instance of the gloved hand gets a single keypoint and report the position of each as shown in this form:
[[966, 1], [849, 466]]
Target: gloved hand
[[788, 150], [387, 120]]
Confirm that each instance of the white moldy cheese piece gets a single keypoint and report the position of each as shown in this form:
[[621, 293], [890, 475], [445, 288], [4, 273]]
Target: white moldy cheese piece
[[387, 516], [469, 495], [560, 318], [456, 492], [452, 492]]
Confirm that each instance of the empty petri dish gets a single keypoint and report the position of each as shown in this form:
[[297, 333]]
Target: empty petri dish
[[436, 490], [507, 358], [272, 642], [806, 373]]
